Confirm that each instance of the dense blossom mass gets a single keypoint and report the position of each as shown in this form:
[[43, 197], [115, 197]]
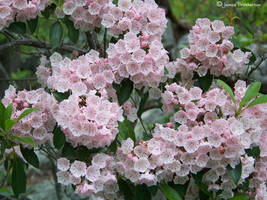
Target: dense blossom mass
[[38, 125], [89, 120], [20, 10], [210, 49]]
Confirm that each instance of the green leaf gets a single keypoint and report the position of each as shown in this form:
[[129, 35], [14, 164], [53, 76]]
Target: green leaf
[[73, 33], [259, 100], [254, 151], [198, 180], [240, 197], [5, 191], [18, 177], [235, 173], [142, 104], [59, 138], [26, 140], [124, 91], [32, 24], [61, 96], [8, 112], [247, 25], [204, 82], [3, 147], [227, 89], [49, 10], [252, 91], [126, 189], [9, 124], [30, 156], [2, 113], [56, 34], [126, 131], [26, 112], [142, 192], [67, 150], [18, 27], [169, 192]]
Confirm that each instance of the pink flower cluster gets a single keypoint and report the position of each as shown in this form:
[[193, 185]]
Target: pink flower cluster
[[87, 72], [209, 49], [89, 120], [139, 58], [203, 134], [20, 10], [98, 179], [136, 16], [86, 14], [39, 124]]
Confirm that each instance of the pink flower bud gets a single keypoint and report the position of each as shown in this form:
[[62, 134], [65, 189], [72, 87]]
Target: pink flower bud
[[75, 53], [143, 44], [175, 101], [169, 125]]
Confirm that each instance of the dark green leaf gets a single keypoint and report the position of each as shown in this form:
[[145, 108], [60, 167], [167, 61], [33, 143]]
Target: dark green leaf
[[204, 82], [240, 197], [9, 124], [227, 89], [198, 180], [5, 191], [56, 34], [235, 173], [126, 189], [73, 33], [142, 104], [61, 96], [18, 177], [126, 131], [142, 192], [181, 189], [169, 192], [2, 117], [49, 10], [30, 156], [124, 91], [8, 112], [26, 140], [59, 138], [252, 91], [18, 27], [254, 151], [165, 71], [26, 112], [3, 147], [67, 150], [32, 24], [259, 100], [113, 146]]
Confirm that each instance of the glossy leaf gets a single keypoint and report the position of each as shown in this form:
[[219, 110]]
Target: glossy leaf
[[59, 138], [18, 177], [26, 140], [142, 192], [126, 131], [2, 117], [9, 124], [142, 104], [126, 189], [30, 156], [169, 192], [18, 27], [124, 91], [252, 91], [240, 197], [198, 180], [259, 100], [204, 82], [73, 33], [3, 147], [253, 151], [32, 24], [235, 173], [56, 34], [8, 112], [61, 96], [49, 10], [227, 89], [67, 150], [26, 112]]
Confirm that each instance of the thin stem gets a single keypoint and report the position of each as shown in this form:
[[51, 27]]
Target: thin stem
[[142, 123], [105, 43]]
